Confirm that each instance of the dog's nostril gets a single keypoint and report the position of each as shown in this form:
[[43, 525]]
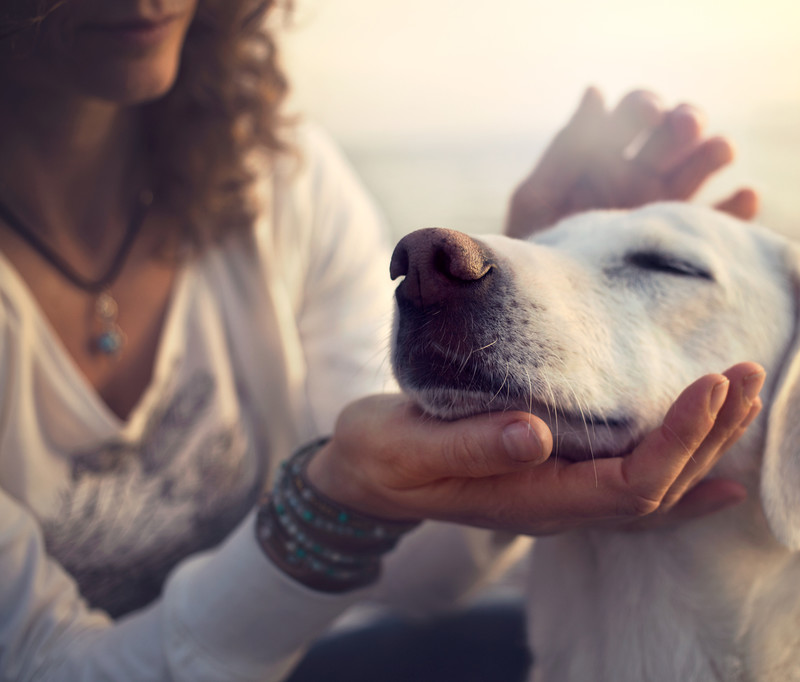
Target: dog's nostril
[[399, 263], [455, 261], [437, 264]]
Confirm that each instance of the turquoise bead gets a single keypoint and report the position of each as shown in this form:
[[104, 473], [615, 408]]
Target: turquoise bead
[[109, 342]]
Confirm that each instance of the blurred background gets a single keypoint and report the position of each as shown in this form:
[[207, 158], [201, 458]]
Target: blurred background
[[444, 105]]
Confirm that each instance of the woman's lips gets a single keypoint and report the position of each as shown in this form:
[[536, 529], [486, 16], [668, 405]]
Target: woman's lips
[[134, 33]]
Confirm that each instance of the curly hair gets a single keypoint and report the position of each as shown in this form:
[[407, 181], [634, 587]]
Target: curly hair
[[224, 105]]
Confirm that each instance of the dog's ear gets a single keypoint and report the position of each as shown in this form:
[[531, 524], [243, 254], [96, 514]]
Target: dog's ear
[[780, 470]]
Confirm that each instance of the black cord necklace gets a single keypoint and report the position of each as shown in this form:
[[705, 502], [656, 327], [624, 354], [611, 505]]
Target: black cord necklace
[[109, 338]]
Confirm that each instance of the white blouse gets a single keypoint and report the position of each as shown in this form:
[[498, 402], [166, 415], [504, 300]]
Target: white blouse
[[148, 520]]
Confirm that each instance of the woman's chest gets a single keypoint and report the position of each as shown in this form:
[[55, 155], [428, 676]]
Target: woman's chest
[[134, 308], [129, 509], [121, 501]]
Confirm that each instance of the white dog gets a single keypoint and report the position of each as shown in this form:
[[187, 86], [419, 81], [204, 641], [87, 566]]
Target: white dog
[[596, 325]]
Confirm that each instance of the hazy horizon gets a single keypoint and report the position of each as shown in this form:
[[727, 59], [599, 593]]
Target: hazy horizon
[[444, 104], [384, 68]]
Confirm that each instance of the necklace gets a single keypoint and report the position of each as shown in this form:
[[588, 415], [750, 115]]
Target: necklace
[[107, 337]]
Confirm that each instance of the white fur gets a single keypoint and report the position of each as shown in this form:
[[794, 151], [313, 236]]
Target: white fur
[[589, 333]]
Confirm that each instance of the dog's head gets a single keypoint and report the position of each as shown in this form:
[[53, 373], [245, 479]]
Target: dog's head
[[598, 323]]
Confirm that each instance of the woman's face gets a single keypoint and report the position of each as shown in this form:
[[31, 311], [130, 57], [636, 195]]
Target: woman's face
[[124, 51]]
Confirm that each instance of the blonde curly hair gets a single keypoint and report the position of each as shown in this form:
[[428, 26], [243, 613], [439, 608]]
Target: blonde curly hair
[[225, 104]]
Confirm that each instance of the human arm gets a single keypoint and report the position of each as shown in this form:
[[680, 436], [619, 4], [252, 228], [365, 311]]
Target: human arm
[[344, 323], [636, 153], [226, 615]]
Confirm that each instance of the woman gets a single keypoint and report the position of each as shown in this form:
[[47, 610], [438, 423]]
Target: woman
[[189, 289]]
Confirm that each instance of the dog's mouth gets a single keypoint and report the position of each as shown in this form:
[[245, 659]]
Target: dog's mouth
[[450, 387]]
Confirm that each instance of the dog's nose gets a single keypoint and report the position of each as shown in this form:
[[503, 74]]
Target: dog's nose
[[438, 265]]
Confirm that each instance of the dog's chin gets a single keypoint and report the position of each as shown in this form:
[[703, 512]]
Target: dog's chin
[[576, 437], [451, 404]]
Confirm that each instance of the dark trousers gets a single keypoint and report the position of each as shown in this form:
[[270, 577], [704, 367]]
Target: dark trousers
[[484, 643]]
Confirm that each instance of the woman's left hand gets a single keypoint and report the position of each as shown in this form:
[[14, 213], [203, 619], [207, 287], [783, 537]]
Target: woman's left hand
[[387, 459], [590, 164]]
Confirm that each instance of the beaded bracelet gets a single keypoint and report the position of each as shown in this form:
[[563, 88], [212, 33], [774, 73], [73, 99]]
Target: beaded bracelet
[[317, 541]]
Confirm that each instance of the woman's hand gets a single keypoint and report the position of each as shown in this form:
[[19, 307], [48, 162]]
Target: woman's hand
[[389, 460], [633, 155]]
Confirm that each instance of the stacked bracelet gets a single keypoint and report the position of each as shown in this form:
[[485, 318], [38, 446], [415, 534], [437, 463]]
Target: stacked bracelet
[[316, 540]]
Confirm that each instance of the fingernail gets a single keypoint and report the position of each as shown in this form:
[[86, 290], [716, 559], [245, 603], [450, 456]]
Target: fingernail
[[521, 442], [718, 395], [752, 385]]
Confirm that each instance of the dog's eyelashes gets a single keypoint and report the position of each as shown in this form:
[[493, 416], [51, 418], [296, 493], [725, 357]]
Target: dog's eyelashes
[[668, 264]]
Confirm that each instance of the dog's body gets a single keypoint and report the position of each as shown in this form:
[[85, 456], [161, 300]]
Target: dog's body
[[596, 325]]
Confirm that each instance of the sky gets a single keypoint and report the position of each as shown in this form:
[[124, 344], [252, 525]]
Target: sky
[[417, 68]]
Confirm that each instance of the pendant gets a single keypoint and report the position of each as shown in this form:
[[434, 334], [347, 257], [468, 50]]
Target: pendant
[[111, 338]]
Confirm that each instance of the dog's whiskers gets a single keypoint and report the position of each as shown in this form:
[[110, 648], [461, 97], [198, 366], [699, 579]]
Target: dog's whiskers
[[554, 417], [475, 350], [505, 378], [586, 428]]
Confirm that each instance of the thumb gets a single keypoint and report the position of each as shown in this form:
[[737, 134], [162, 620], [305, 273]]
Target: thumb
[[409, 448], [488, 445]]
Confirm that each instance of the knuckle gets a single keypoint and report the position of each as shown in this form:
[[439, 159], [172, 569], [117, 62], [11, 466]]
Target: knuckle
[[687, 438], [467, 453], [639, 505], [669, 501], [730, 418]]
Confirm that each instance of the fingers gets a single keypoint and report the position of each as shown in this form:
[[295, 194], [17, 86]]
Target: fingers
[[588, 166], [538, 200], [678, 134], [740, 408], [755, 410], [688, 176], [742, 204], [656, 463], [707, 497], [581, 129], [635, 485], [638, 112]]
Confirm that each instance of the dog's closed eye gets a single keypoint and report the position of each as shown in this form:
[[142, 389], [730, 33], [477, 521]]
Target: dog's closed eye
[[669, 264]]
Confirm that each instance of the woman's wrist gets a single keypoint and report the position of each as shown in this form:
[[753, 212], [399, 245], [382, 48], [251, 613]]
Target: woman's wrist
[[319, 542]]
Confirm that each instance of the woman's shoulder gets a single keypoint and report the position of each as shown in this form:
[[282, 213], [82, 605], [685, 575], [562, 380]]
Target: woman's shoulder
[[315, 164], [314, 195]]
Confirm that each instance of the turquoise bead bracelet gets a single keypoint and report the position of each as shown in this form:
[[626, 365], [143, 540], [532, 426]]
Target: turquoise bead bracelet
[[319, 542]]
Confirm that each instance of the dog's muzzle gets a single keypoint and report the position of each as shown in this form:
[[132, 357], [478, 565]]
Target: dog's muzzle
[[449, 303]]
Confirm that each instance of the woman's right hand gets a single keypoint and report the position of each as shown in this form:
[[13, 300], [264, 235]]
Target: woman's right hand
[[588, 165], [389, 460]]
